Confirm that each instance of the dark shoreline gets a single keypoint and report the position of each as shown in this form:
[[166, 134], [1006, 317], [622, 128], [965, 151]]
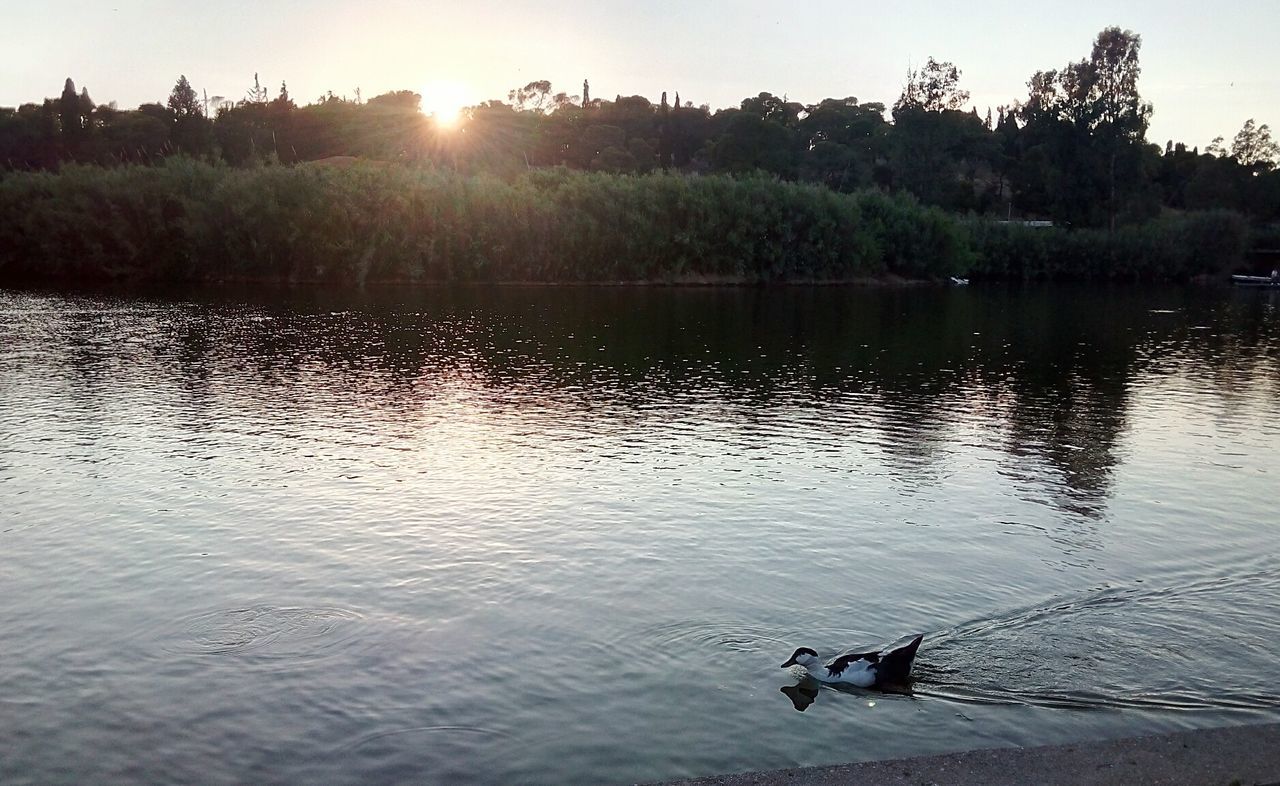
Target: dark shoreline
[[887, 282], [1238, 755], [742, 282]]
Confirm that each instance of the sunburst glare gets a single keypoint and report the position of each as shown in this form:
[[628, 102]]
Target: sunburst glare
[[444, 101]]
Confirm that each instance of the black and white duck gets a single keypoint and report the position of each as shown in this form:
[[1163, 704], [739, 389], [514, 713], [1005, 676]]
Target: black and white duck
[[876, 669]]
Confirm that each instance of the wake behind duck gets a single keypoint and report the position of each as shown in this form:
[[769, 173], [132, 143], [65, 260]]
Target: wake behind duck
[[876, 669]]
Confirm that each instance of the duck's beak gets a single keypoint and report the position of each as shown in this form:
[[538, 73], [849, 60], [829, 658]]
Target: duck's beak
[[790, 662]]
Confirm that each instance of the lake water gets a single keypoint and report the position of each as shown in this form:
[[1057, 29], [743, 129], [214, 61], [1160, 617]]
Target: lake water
[[540, 535]]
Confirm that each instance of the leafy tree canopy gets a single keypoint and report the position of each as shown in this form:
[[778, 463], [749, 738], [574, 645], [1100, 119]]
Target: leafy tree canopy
[[1253, 146], [933, 88]]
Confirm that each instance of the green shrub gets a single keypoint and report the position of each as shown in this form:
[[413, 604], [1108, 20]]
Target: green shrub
[[1170, 248]]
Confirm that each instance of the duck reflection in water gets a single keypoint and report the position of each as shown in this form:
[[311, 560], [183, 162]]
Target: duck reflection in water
[[804, 693]]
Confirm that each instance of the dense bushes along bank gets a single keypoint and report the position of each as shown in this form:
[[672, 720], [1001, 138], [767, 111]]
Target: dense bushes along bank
[[190, 221]]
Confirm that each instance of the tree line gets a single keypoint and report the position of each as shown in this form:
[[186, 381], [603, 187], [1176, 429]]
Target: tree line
[[1073, 150]]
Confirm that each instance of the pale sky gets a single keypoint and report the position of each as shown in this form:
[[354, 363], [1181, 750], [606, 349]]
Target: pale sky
[[1207, 67]]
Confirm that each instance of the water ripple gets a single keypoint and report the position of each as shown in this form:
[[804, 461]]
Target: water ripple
[[426, 730], [1199, 644], [268, 631]]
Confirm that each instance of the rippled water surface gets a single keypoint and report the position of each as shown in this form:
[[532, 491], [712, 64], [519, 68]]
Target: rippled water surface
[[541, 535]]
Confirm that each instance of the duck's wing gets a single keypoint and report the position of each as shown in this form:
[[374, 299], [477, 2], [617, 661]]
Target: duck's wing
[[895, 664], [837, 667]]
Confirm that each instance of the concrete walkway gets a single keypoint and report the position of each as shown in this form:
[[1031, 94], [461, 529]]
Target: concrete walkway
[[1218, 757]]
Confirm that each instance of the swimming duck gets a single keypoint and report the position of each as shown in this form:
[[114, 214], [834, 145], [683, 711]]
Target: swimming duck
[[887, 667]]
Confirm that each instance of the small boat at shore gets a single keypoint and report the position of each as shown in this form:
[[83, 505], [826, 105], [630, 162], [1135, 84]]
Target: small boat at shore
[[1266, 282]]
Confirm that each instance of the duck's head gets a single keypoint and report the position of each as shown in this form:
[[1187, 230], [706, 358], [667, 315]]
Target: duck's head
[[802, 657]]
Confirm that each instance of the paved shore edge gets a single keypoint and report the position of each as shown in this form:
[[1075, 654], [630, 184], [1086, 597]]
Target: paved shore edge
[[1240, 755]]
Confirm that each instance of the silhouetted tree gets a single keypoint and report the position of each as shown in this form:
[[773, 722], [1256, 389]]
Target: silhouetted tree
[[934, 88], [183, 101], [1253, 146], [72, 119], [937, 151], [191, 129], [1085, 130], [664, 133], [1122, 115], [534, 96]]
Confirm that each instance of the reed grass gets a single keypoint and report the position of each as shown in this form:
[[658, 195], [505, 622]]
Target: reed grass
[[1175, 247], [191, 221]]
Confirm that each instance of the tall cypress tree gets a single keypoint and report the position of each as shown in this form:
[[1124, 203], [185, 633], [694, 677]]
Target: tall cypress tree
[[664, 133], [70, 118]]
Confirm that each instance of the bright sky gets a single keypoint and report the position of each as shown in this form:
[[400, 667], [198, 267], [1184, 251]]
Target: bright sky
[[1207, 67]]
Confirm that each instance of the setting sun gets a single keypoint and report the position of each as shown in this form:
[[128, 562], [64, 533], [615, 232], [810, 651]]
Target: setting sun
[[444, 101]]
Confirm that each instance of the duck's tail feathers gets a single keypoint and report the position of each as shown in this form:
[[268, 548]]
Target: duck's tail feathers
[[895, 665]]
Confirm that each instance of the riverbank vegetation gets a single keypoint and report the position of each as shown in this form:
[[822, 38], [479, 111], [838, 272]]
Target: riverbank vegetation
[[361, 223], [189, 220], [1176, 247], [549, 186]]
